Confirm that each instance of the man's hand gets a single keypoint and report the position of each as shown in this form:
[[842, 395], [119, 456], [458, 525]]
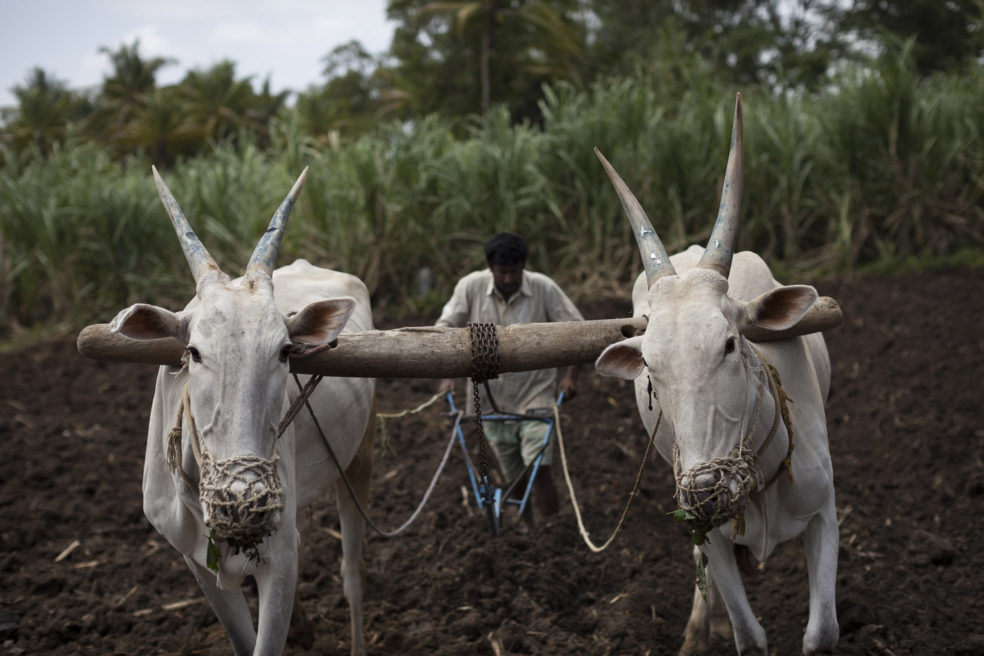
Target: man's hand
[[568, 383], [447, 385]]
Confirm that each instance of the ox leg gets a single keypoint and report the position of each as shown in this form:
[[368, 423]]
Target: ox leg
[[708, 618], [820, 541], [276, 582], [230, 607], [358, 473], [722, 569], [301, 632]]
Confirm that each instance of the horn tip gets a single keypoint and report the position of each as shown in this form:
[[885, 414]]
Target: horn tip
[[296, 189], [609, 169]]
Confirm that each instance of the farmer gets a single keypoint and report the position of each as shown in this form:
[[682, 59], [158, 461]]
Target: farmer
[[506, 293]]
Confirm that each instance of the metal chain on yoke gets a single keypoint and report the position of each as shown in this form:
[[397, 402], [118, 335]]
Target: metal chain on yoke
[[484, 367]]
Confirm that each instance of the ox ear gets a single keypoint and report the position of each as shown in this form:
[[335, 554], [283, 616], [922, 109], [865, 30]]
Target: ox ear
[[144, 322], [622, 359], [315, 327], [781, 308]]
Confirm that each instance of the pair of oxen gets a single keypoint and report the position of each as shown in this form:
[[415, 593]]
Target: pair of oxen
[[225, 474]]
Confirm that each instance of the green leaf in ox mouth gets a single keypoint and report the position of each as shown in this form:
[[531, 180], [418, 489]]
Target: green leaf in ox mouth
[[698, 535], [212, 553]]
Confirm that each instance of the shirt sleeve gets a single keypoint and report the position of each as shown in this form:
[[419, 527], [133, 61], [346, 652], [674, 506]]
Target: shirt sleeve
[[559, 307], [455, 312]]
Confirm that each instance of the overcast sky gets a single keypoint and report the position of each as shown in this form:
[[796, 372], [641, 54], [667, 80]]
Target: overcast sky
[[282, 39]]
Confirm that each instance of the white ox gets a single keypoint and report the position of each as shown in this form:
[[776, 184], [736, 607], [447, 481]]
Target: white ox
[[715, 406], [226, 473]]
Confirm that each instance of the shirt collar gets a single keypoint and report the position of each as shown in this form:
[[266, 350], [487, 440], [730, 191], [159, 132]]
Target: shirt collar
[[524, 287]]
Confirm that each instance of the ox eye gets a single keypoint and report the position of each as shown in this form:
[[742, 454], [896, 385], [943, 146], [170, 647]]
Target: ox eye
[[729, 346], [285, 352], [195, 355]]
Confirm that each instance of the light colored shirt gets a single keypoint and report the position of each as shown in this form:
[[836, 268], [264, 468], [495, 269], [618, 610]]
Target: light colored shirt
[[539, 300]]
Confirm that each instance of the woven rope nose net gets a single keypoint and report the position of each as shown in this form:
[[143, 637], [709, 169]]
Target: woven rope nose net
[[739, 474], [241, 497], [716, 502]]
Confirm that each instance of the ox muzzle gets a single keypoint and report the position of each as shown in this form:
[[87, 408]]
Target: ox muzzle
[[242, 499]]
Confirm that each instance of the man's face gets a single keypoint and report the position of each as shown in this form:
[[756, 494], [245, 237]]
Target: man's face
[[507, 277]]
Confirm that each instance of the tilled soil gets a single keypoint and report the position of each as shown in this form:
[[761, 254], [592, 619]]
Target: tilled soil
[[83, 572]]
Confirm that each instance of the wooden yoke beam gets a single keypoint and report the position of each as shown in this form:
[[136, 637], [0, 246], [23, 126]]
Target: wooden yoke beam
[[437, 352]]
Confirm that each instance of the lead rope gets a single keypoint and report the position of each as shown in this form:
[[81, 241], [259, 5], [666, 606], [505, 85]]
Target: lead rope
[[632, 495], [351, 490]]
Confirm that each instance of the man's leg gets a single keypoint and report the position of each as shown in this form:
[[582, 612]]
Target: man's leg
[[503, 437], [544, 493]]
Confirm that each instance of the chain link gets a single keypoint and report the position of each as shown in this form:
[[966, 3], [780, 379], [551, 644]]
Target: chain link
[[484, 366], [485, 351]]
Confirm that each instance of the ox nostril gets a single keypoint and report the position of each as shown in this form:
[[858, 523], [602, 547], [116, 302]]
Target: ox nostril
[[705, 481], [704, 486], [699, 492]]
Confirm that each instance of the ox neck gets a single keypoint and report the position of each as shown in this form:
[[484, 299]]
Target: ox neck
[[780, 401]]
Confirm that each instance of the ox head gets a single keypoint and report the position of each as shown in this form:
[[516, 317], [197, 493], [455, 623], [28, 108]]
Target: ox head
[[237, 350], [699, 366]]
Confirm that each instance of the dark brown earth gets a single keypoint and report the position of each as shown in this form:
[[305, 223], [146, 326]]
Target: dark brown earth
[[906, 435]]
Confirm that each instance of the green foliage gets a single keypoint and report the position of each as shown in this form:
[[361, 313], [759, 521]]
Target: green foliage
[[945, 36], [884, 166], [212, 553], [698, 528]]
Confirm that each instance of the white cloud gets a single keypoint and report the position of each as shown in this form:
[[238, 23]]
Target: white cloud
[[246, 32]]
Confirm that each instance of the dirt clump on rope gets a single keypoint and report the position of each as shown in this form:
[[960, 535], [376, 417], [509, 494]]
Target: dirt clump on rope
[[84, 573]]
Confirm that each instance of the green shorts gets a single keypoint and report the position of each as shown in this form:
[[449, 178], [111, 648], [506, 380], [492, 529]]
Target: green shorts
[[516, 444]]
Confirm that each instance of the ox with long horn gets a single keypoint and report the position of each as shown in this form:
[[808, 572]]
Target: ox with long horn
[[742, 425], [225, 472]]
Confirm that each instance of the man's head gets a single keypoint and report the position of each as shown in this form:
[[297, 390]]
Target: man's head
[[505, 254]]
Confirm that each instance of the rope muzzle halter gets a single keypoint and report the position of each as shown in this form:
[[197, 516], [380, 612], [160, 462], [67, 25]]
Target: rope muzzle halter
[[241, 497], [717, 490]]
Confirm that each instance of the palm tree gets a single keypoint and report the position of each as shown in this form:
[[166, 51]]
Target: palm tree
[[156, 128], [127, 90], [215, 104], [45, 108], [532, 40]]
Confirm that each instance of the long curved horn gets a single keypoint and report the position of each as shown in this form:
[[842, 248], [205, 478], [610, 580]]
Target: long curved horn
[[198, 257], [265, 254], [721, 245], [654, 257]]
